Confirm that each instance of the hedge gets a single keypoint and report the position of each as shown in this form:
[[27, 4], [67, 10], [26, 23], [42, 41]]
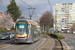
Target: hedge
[[55, 35], [2, 31]]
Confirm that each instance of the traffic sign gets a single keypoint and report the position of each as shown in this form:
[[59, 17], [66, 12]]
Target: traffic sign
[[61, 23]]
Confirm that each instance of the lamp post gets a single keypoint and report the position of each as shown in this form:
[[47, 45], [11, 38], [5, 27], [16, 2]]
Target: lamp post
[[55, 21], [32, 12]]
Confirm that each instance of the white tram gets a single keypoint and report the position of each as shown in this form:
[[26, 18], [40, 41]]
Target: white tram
[[27, 31]]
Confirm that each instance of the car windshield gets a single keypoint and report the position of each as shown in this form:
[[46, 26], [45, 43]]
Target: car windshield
[[13, 32], [9, 33]]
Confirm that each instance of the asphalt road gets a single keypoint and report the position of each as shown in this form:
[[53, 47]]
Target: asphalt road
[[2, 42], [70, 40], [24, 46]]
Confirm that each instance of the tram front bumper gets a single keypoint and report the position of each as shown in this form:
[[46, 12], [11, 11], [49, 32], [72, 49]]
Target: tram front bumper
[[23, 40]]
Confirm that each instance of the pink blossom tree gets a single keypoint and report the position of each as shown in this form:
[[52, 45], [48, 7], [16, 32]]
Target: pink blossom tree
[[6, 21]]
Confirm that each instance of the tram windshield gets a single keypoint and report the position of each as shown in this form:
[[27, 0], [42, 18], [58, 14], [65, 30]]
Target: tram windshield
[[21, 29]]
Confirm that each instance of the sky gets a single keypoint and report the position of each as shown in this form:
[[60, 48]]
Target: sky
[[41, 6]]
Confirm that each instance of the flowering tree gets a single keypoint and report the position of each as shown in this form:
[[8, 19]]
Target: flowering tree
[[6, 21]]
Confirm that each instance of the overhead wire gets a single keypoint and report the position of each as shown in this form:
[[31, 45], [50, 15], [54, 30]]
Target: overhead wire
[[50, 5], [26, 3], [29, 8]]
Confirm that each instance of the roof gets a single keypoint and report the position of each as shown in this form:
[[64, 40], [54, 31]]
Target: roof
[[33, 22]]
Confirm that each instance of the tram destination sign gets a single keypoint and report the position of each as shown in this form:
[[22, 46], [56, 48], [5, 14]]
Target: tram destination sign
[[21, 22]]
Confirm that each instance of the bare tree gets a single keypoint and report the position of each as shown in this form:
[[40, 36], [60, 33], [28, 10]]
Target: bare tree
[[6, 21], [45, 21], [73, 26]]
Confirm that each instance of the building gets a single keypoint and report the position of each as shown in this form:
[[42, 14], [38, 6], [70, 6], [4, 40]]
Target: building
[[0, 13], [64, 13]]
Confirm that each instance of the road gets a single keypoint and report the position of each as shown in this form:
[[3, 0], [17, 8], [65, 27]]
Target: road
[[2, 42], [25, 46], [70, 40]]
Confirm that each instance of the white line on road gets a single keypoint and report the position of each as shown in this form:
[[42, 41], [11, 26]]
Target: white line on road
[[68, 48], [71, 40]]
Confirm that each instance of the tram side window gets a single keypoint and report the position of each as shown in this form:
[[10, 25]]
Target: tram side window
[[33, 30]]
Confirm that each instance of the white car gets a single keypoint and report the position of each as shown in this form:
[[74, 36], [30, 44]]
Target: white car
[[11, 35]]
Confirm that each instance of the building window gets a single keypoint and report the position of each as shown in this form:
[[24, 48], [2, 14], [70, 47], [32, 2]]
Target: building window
[[62, 21], [69, 3]]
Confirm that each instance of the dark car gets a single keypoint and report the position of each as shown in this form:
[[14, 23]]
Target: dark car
[[4, 36]]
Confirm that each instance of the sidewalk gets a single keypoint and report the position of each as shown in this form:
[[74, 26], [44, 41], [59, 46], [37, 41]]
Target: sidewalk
[[48, 45]]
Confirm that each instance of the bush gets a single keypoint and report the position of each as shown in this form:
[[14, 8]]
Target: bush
[[56, 36]]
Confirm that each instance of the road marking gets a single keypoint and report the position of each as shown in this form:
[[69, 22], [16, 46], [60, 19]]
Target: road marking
[[13, 45], [71, 40], [68, 48], [5, 46]]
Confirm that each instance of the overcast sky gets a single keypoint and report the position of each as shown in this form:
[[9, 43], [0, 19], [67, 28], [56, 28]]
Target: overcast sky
[[40, 5]]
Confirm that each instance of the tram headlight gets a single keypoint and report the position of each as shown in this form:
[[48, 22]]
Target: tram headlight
[[25, 35]]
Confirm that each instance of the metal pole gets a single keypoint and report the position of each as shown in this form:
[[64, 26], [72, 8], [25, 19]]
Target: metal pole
[[61, 30], [32, 12], [56, 21]]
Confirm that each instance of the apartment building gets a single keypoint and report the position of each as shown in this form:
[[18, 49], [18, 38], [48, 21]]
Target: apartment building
[[64, 13]]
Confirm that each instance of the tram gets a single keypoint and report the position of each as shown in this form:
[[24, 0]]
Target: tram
[[27, 31]]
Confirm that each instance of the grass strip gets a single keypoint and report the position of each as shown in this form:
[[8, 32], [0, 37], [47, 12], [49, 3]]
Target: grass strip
[[47, 35], [2, 31]]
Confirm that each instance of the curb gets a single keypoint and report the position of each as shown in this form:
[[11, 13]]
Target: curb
[[4, 45], [61, 44], [65, 46]]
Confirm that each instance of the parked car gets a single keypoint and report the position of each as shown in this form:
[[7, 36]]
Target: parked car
[[10, 34], [13, 34], [4, 36]]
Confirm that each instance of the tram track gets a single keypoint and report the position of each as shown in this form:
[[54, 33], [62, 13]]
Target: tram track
[[20, 47], [14, 46], [58, 45], [25, 46], [42, 44]]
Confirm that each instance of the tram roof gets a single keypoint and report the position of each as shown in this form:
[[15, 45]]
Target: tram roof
[[32, 21]]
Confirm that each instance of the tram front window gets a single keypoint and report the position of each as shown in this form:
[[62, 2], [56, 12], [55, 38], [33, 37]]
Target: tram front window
[[21, 29]]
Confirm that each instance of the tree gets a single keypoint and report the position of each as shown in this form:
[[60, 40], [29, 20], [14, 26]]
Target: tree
[[22, 17], [45, 21], [14, 10], [73, 26], [6, 21]]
